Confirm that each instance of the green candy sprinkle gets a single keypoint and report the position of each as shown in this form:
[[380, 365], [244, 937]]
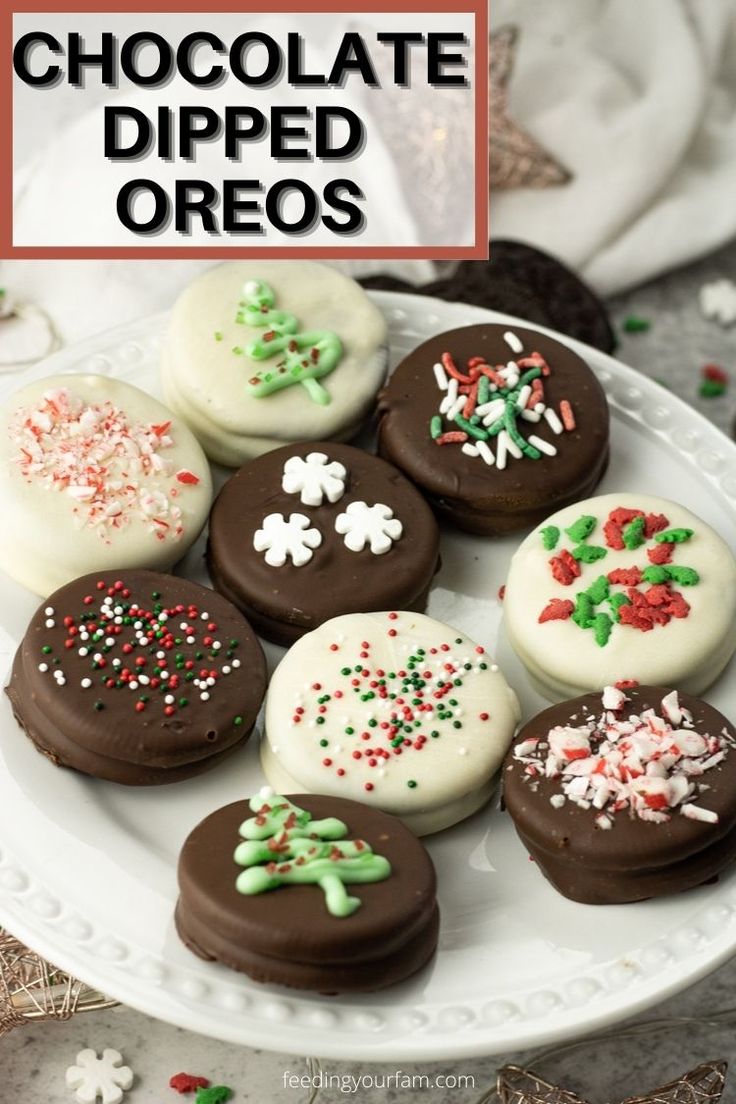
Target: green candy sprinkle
[[584, 612], [435, 427], [711, 389], [633, 534], [616, 601], [238, 721], [99, 705], [581, 529], [635, 324], [411, 784], [599, 590], [602, 625], [685, 576], [471, 430], [218, 335], [588, 553], [324, 743], [674, 536], [47, 649], [655, 574], [550, 536]]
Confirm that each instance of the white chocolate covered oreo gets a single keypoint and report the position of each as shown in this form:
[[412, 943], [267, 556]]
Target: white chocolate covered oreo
[[95, 475], [393, 709], [620, 588], [261, 354]]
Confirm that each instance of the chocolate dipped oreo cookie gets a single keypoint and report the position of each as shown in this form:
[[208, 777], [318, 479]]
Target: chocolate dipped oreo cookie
[[625, 795], [310, 892], [260, 353], [116, 479], [394, 709], [311, 531], [495, 424], [622, 586], [137, 677]]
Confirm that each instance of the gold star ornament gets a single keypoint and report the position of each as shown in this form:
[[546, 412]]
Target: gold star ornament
[[516, 159], [703, 1085]]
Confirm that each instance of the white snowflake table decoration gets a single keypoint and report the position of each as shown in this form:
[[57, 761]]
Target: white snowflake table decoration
[[102, 1079], [281, 539], [363, 525], [314, 478]]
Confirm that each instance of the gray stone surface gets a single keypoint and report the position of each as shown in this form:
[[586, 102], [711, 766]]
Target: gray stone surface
[[33, 1059]]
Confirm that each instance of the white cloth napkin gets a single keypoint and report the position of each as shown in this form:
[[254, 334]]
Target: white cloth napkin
[[638, 99]]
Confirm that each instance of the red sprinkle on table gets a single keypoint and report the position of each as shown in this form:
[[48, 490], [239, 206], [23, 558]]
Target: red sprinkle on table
[[187, 1082]]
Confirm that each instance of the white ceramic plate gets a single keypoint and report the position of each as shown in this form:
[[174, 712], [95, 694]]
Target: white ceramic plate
[[87, 869]]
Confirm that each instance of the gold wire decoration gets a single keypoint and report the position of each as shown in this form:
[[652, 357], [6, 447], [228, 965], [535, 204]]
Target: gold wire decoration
[[33, 989], [703, 1085], [516, 159]]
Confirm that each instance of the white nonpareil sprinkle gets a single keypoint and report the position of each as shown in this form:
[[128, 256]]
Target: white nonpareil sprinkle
[[502, 449], [552, 420], [439, 375], [543, 446], [456, 408], [485, 453], [86, 683], [513, 342], [49, 611]]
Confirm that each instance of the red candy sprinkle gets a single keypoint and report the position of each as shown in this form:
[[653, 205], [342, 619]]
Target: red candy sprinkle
[[187, 1082], [565, 568], [558, 609], [625, 576], [185, 476], [660, 553]]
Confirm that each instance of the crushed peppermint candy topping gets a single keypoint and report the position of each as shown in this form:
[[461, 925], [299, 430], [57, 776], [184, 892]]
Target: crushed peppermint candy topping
[[111, 468], [647, 765]]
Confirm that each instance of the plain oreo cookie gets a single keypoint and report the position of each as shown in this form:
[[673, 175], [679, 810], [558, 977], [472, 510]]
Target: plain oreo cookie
[[523, 281]]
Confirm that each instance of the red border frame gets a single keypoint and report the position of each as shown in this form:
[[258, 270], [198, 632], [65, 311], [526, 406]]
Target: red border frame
[[477, 251]]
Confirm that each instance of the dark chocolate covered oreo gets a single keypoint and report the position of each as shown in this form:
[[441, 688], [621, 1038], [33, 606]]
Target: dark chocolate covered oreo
[[309, 892], [495, 424], [137, 677], [625, 795], [311, 531]]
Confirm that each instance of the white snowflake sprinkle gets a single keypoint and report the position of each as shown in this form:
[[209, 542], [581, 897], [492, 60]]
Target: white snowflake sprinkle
[[362, 524], [718, 301], [104, 1079], [314, 478], [282, 539]]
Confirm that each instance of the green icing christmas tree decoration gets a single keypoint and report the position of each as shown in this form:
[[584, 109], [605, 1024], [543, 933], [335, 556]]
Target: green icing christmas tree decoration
[[305, 357], [284, 846]]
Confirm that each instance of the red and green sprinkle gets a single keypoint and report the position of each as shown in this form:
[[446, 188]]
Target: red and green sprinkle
[[160, 655]]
